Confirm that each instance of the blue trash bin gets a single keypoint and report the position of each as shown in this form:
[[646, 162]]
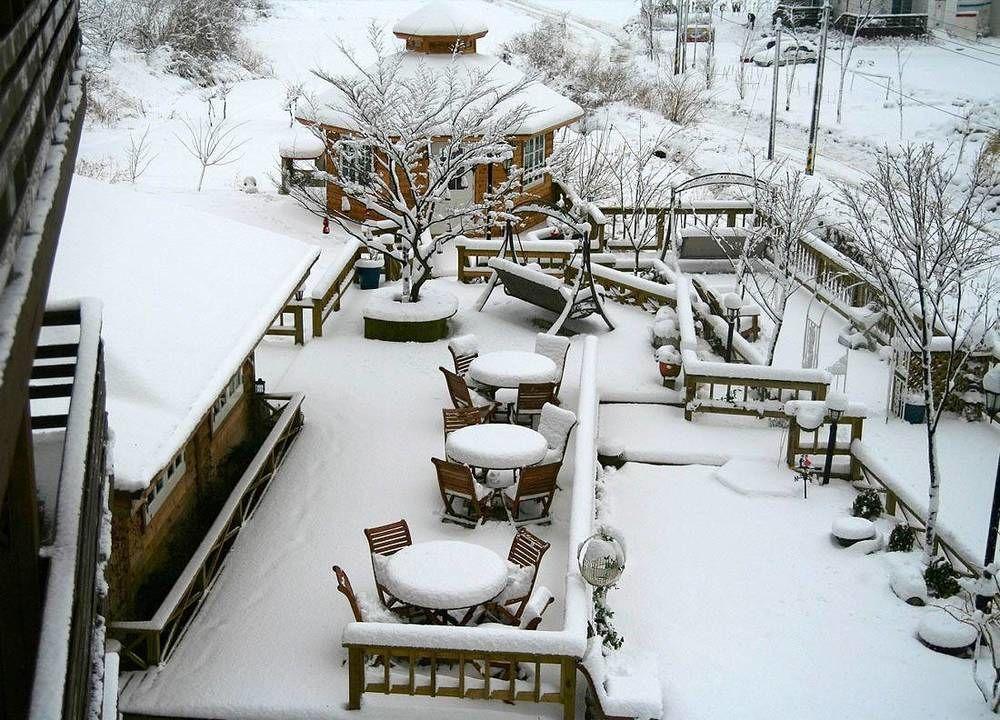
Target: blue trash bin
[[369, 273], [913, 411]]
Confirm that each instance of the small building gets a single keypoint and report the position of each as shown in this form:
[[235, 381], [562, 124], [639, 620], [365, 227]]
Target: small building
[[186, 300], [439, 36]]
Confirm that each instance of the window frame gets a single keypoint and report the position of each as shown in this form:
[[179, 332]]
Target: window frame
[[163, 484], [351, 170], [227, 399], [529, 149]]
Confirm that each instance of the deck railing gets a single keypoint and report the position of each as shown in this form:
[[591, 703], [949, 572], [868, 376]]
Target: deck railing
[[70, 374], [437, 661], [474, 253], [883, 25], [902, 504], [815, 442], [147, 643], [628, 288]]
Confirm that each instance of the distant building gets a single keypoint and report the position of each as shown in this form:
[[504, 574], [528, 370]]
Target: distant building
[[432, 33], [53, 474], [187, 299]]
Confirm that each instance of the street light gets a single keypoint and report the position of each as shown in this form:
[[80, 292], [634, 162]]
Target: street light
[[732, 304], [991, 388], [836, 406]]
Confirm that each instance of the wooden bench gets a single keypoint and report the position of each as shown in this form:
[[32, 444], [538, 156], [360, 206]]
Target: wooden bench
[[535, 287], [698, 243]]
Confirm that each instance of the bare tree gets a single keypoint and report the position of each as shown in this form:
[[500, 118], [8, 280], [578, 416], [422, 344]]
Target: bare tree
[[580, 161], [139, 155], [918, 226], [641, 185], [900, 48], [293, 93], [210, 144], [646, 21], [416, 133], [866, 11]]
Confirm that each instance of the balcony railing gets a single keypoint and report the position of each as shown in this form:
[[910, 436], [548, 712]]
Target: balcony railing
[[69, 374]]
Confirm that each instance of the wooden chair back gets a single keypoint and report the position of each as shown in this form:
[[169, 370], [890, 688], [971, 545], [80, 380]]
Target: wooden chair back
[[458, 418], [455, 482], [526, 550], [457, 389], [388, 539], [344, 586], [532, 396], [555, 348], [535, 483], [463, 352]]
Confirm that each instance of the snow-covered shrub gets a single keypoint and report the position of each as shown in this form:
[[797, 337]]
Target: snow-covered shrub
[[107, 103], [867, 505], [105, 169], [588, 77], [679, 98], [901, 538], [941, 578]]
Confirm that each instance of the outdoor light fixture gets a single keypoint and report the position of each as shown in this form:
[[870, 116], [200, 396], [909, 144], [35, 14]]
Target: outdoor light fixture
[[991, 389], [836, 406], [732, 304], [259, 386], [298, 295]]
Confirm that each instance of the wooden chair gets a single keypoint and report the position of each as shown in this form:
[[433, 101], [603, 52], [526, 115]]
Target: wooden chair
[[526, 551], [344, 586], [458, 418], [536, 485], [461, 398], [386, 540], [556, 349], [457, 485], [464, 349], [555, 424], [528, 401]]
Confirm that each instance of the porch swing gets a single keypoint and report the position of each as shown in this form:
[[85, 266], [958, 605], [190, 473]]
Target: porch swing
[[535, 287]]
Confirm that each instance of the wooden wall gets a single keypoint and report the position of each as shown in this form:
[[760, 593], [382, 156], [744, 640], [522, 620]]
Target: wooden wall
[[140, 549]]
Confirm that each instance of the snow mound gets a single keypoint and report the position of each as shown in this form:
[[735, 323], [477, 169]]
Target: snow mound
[[852, 529], [909, 585], [941, 630], [432, 305], [301, 144], [756, 478], [439, 19]]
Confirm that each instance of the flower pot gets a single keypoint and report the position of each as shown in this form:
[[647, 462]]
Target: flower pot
[[669, 371], [369, 273]]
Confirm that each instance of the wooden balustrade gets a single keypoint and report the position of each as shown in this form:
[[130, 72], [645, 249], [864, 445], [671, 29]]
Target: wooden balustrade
[[627, 288], [552, 255], [460, 674], [757, 391], [816, 443], [148, 643], [327, 299]]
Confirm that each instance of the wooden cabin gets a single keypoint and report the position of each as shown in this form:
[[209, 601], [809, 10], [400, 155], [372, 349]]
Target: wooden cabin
[[440, 35], [186, 301]]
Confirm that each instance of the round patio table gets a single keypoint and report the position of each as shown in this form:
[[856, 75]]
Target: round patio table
[[496, 446], [445, 575], [510, 368]]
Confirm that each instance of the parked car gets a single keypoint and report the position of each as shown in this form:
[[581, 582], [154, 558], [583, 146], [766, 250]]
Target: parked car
[[791, 54], [700, 33], [758, 46]]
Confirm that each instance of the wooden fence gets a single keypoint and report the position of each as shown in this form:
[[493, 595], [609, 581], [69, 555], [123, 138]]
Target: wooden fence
[[900, 504], [627, 288], [329, 292], [815, 442], [147, 643], [473, 254], [711, 213], [752, 390]]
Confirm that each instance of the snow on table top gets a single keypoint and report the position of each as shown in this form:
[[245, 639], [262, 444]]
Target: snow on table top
[[549, 108], [496, 446], [440, 18], [187, 296], [445, 574], [509, 368], [301, 143]]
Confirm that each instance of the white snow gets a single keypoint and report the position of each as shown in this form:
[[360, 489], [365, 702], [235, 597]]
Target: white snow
[[938, 627], [433, 305], [510, 368], [496, 445], [439, 18], [853, 528], [535, 276], [445, 574], [301, 143], [187, 296]]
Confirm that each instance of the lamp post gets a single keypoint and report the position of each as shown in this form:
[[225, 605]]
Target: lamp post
[[259, 386], [810, 422], [732, 304], [991, 388], [836, 405]]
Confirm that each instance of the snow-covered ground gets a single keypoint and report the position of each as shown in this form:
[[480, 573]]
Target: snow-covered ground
[[751, 612]]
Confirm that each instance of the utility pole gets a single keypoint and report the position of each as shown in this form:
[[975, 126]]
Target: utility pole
[[818, 91], [774, 88], [677, 41]]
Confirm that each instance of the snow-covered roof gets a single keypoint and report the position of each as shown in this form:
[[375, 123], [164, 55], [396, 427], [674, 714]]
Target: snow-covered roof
[[301, 143], [187, 296], [439, 18], [549, 108]]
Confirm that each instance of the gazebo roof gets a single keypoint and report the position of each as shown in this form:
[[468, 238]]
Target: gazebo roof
[[440, 19]]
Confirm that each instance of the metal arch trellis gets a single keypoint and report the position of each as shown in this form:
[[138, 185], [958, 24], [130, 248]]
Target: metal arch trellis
[[719, 178]]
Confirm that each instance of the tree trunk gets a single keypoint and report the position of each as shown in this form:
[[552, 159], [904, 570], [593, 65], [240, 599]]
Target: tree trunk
[[201, 178], [933, 488]]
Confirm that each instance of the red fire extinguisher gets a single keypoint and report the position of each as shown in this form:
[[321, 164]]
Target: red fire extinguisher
[[326, 226]]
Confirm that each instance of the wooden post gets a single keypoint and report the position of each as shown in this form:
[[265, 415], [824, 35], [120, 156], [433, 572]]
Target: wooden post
[[300, 330], [857, 425], [317, 317], [568, 687], [659, 229], [793, 442], [356, 676], [890, 502], [689, 391]]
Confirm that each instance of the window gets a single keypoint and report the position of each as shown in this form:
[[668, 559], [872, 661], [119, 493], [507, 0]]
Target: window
[[460, 182], [163, 483], [534, 158], [355, 163], [227, 398]]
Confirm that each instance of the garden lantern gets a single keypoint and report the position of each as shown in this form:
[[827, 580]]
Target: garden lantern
[[991, 388], [836, 406], [259, 386], [299, 294], [732, 304], [602, 559]]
